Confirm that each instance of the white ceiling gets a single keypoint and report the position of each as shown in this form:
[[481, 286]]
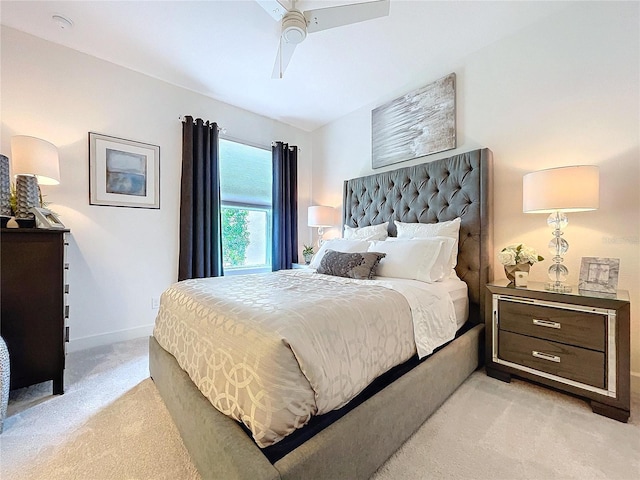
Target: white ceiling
[[226, 49]]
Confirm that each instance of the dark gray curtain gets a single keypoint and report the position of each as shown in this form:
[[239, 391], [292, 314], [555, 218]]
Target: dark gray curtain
[[285, 206], [200, 220]]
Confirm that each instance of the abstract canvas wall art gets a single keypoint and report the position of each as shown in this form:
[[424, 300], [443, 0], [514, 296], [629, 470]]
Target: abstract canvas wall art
[[419, 123]]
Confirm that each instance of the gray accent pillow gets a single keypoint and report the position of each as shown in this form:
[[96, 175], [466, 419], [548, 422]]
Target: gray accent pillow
[[361, 266]]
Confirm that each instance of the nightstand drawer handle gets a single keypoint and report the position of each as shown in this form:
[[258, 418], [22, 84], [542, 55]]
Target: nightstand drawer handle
[[546, 323], [546, 356]]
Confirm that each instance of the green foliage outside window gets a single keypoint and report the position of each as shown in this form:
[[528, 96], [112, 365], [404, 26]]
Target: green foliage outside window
[[235, 236]]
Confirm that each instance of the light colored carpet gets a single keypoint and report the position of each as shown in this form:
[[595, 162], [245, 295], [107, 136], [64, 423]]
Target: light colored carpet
[[112, 424]]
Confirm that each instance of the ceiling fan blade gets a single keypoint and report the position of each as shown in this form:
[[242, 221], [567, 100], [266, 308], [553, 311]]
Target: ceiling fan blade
[[276, 8], [331, 17], [285, 52]]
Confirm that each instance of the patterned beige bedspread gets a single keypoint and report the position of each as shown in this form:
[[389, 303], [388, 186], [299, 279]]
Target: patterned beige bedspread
[[272, 350]]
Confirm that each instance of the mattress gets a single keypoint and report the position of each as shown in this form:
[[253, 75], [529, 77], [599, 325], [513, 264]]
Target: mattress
[[459, 293], [273, 350], [457, 290]]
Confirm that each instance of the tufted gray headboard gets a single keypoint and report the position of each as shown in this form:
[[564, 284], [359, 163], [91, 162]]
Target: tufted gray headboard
[[458, 186]]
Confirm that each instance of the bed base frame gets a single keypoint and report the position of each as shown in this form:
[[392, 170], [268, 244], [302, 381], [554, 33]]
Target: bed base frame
[[352, 448], [357, 444]]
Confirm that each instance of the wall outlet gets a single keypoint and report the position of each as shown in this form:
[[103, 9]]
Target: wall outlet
[[155, 303]]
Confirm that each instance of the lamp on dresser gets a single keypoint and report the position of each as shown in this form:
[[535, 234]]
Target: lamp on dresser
[[558, 191], [320, 216], [34, 162]]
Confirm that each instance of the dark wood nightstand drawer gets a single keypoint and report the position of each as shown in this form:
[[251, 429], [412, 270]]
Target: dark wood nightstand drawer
[[578, 364], [579, 329]]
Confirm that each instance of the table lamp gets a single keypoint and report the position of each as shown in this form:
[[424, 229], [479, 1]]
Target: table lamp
[[34, 162], [558, 191], [320, 216]]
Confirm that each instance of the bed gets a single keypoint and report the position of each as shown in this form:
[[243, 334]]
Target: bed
[[352, 445]]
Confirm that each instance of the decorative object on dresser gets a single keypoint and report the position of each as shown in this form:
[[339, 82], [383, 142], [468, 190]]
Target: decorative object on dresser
[[518, 258], [320, 216], [416, 124], [5, 379], [123, 173], [5, 191], [558, 191], [32, 302], [599, 275], [34, 162], [45, 218], [574, 342]]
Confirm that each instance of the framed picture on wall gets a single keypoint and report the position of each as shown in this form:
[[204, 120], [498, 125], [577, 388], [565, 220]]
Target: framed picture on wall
[[123, 173], [599, 274]]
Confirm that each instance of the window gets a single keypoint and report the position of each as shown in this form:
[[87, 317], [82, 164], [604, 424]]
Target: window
[[245, 190]]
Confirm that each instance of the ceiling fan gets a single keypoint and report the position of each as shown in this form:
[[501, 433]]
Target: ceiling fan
[[296, 24]]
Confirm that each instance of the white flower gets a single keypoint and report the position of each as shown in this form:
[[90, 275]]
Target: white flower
[[528, 255], [507, 257], [514, 254]]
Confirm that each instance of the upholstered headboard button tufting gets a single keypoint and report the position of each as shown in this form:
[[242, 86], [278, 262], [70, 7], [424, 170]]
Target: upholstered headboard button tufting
[[459, 186]]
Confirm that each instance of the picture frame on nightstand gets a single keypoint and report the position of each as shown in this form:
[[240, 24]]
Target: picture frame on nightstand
[[598, 274]]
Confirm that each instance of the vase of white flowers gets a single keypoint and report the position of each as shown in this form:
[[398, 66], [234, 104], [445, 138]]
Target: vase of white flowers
[[517, 258]]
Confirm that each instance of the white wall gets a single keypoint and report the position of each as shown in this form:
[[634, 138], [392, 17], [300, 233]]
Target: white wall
[[120, 257], [563, 92]]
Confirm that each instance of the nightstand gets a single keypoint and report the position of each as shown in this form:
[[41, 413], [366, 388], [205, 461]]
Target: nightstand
[[576, 342]]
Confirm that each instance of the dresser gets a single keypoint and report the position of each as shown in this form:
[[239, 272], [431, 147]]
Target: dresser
[[33, 304], [576, 342]]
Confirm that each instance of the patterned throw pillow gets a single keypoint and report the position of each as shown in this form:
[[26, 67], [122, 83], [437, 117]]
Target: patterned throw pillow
[[372, 232], [360, 265]]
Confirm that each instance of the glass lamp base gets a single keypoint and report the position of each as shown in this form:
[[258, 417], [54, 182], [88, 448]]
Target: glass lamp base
[[557, 287]]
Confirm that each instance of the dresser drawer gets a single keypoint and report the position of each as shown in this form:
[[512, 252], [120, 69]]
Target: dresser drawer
[[579, 329], [578, 364]]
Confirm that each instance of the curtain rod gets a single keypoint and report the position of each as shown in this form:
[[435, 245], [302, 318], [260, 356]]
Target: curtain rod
[[273, 144], [224, 131], [220, 129]]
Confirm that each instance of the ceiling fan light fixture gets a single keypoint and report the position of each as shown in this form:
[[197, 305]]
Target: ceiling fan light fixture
[[294, 27]]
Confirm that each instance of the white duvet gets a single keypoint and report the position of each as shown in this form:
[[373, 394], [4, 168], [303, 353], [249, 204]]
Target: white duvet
[[272, 350]]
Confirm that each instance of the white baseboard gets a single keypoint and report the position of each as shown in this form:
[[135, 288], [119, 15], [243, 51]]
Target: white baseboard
[[109, 338], [635, 383]]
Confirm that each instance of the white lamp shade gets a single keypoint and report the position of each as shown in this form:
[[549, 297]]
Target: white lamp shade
[[33, 156], [320, 216], [566, 189]]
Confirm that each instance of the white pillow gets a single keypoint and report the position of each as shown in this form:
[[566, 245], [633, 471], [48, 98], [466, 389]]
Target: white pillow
[[424, 259], [372, 232], [339, 245], [449, 229]]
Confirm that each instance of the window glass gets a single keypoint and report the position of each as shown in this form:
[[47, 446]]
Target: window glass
[[245, 189]]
